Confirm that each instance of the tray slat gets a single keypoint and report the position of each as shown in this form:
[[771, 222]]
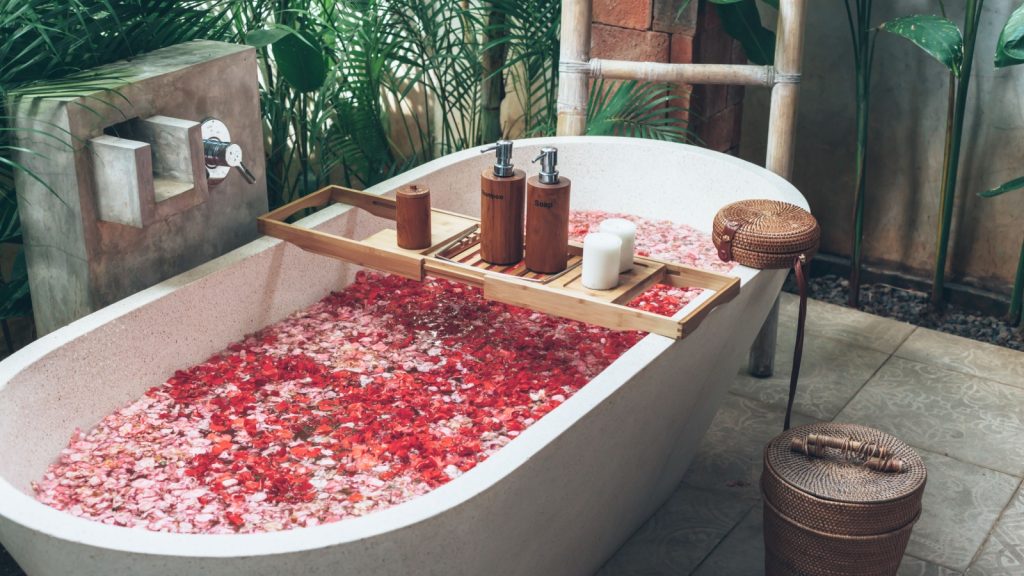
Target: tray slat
[[444, 227], [577, 306]]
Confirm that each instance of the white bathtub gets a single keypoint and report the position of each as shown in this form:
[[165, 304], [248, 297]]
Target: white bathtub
[[559, 499]]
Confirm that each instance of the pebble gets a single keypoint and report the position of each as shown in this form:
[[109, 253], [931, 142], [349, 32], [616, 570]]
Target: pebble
[[915, 308]]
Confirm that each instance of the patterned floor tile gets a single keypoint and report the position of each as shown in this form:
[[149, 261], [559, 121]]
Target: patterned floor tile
[[730, 456], [969, 418], [832, 372], [742, 551], [961, 504], [965, 355], [916, 567], [742, 554], [1003, 552], [679, 535], [846, 324]]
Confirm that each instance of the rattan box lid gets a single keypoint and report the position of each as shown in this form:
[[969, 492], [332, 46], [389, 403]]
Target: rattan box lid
[[840, 478], [765, 233]]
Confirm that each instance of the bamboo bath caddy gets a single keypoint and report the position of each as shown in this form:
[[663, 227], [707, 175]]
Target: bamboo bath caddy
[[454, 254]]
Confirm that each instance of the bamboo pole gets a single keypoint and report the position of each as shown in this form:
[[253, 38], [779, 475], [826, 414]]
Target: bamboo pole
[[789, 51], [573, 86], [742, 74]]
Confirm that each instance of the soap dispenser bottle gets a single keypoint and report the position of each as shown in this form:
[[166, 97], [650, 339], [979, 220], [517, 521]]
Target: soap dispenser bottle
[[502, 194], [547, 216]]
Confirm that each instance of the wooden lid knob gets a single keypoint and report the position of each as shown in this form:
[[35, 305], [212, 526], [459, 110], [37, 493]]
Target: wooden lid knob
[[413, 191]]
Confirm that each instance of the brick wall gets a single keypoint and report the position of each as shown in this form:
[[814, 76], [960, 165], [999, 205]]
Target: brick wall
[[656, 31]]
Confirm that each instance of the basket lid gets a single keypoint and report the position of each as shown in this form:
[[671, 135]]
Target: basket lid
[[765, 233], [830, 476]]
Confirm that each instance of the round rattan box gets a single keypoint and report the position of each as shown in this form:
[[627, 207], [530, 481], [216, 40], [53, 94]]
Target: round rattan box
[[828, 512], [765, 233]]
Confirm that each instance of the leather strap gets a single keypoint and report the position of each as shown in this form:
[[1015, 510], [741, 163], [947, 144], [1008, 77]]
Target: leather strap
[[729, 231], [798, 351]]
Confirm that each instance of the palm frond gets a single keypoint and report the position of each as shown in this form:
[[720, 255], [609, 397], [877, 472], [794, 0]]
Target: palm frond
[[639, 109]]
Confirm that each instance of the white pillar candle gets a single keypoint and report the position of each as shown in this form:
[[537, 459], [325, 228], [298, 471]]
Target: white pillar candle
[[626, 231], [601, 261]]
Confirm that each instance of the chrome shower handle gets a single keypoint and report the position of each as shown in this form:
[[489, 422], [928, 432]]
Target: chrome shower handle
[[220, 154], [217, 153]]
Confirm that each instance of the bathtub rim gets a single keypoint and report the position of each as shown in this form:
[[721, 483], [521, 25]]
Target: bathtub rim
[[24, 510]]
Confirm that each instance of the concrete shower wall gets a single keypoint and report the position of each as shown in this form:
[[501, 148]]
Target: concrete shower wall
[[78, 262], [907, 135]]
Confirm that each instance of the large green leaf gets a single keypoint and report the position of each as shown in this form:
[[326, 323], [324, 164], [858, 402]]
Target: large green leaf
[[742, 21], [266, 36], [300, 62], [1015, 184], [936, 35], [1010, 47]]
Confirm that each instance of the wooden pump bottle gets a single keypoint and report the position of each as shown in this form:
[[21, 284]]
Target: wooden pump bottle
[[547, 216], [502, 195]]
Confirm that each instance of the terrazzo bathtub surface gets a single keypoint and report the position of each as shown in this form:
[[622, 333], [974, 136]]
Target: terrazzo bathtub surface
[[560, 498], [372, 396]]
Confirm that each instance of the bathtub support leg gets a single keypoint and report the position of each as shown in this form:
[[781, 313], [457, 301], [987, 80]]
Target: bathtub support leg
[[762, 353]]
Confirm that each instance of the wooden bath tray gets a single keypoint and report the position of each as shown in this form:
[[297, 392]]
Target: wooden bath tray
[[454, 255]]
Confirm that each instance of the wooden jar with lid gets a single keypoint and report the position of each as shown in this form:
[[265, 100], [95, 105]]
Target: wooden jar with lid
[[412, 217]]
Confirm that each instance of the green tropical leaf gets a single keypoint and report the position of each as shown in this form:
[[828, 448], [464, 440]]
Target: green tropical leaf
[[742, 20], [15, 299], [300, 62], [266, 36], [937, 36], [10, 224], [1015, 184], [1010, 47], [632, 108]]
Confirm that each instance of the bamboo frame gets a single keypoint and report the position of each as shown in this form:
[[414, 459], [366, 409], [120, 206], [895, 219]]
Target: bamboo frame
[[683, 73], [576, 68], [560, 294]]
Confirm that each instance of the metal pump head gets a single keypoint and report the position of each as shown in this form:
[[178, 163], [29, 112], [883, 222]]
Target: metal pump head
[[503, 167], [548, 165]]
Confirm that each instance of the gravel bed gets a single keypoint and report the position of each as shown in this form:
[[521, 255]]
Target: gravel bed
[[914, 307]]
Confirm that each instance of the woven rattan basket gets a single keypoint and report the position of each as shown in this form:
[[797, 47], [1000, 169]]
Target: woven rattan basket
[[769, 234], [765, 233], [839, 499]]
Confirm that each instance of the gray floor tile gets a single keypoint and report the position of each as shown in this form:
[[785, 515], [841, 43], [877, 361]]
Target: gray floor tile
[[742, 551], [679, 535], [961, 504], [832, 372], [965, 355], [846, 324], [916, 567], [1003, 552], [969, 418], [742, 554], [730, 456]]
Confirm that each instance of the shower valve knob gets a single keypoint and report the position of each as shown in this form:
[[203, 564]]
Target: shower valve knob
[[220, 154]]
